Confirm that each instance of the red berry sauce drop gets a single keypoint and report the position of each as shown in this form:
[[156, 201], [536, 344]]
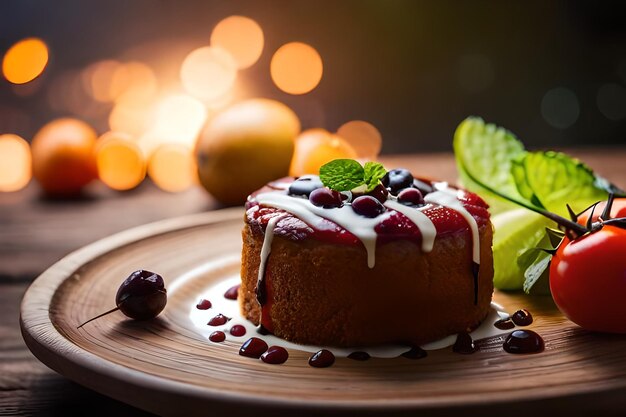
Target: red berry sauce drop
[[522, 317], [217, 337], [218, 320], [322, 359], [416, 352], [204, 305], [464, 344], [504, 324], [232, 293], [523, 341], [275, 355], [359, 356], [253, 348], [237, 330]]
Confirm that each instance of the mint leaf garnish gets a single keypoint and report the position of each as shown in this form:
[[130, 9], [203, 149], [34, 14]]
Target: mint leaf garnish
[[342, 174], [374, 172]]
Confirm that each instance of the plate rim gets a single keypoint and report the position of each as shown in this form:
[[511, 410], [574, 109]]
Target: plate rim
[[59, 353]]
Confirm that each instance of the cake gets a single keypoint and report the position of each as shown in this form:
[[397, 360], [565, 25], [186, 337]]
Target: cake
[[409, 262]]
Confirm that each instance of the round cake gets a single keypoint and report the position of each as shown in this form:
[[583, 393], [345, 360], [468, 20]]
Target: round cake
[[409, 262]]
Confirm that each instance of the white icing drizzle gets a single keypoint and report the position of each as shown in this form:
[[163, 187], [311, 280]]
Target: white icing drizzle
[[422, 221], [364, 228], [447, 197], [267, 246], [360, 226]]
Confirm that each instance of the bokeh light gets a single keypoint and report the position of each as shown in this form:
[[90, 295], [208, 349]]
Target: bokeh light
[[25, 60], [314, 148], [173, 168], [208, 73], [296, 68], [15, 163], [133, 82], [364, 138], [132, 118], [179, 119], [242, 37], [121, 164], [98, 80]]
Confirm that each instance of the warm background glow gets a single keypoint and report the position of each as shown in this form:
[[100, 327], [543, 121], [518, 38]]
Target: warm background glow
[[314, 148], [363, 137], [25, 60], [173, 168], [242, 37], [15, 163], [121, 164], [296, 68], [208, 73]]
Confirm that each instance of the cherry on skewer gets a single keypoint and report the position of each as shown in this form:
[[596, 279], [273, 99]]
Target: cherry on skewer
[[142, 296]]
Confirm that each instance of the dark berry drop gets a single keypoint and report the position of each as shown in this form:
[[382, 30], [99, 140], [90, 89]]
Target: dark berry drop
[[275, 355], [238, 330], [359, 356], [504, 324], [416, 352], [523, 341], [253, 348], [464, 344], [367, 206], [232, 293], [203, 304], [218, 320], [217, 337], [322, 359], [522, 317]]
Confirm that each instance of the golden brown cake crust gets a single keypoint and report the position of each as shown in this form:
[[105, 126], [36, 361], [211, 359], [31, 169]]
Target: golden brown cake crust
[[324, 293]]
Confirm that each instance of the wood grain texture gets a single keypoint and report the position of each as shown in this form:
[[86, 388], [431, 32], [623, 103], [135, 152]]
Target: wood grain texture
[[164, 366]]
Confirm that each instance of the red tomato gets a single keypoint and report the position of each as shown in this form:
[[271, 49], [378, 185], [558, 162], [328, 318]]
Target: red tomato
[[588, 280]]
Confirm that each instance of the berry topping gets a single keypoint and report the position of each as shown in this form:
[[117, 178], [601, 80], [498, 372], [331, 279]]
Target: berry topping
[[232, 292], [522, 317], [322, 359], [217, 336], [397, 179], [303, 186], [275, 355], [411, 196], [367, 206], [380, 193], [325, 197]]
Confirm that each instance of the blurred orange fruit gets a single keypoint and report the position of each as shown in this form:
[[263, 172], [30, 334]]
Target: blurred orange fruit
[[244, 147], [314, 148], [64, 159]]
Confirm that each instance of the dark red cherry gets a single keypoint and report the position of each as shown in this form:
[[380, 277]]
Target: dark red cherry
[[325, 197], [380, 193], [367, 206], [303, 186], [411, 196], [397, 179], [141, 296]]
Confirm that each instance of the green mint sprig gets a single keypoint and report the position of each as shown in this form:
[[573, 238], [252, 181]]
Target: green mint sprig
[[348, 174]]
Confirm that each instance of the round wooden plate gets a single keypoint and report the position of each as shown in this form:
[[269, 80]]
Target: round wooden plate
[[165, 367]]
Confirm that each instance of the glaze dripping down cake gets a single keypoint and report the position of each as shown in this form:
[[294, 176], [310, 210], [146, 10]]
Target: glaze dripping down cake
[[410, 262]]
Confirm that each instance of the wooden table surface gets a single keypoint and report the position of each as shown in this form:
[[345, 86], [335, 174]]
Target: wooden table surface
[[36, 232]]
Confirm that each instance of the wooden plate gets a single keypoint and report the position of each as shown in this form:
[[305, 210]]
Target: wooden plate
[[165, 367]]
